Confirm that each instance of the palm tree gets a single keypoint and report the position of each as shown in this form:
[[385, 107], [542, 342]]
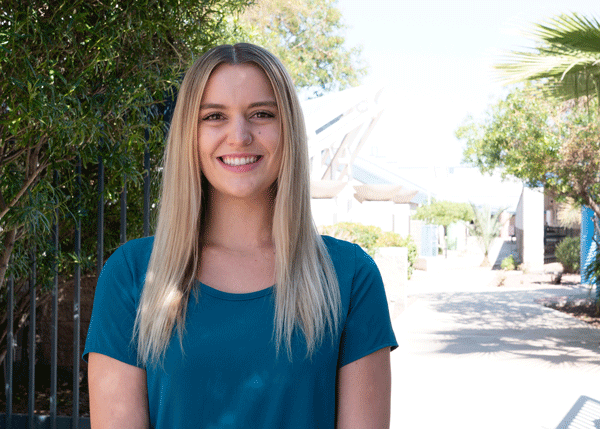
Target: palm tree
[[486, 227], [567, 57]]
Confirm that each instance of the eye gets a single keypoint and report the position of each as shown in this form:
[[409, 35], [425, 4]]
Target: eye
[[212, 117], [264, 114]]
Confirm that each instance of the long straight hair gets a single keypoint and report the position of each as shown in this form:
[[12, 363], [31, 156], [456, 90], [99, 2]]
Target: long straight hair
[[307, 295]]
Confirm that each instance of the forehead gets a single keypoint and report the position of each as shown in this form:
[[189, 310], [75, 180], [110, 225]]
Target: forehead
[[238, 82]]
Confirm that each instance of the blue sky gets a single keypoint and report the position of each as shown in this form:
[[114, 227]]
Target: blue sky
[[435, 58]]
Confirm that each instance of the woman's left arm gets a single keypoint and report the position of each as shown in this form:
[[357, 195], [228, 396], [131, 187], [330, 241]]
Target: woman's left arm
[[364, 390]]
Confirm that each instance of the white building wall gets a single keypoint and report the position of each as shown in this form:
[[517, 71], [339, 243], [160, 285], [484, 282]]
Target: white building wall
[[377, 213], [324, 211], [401, 214], [531, 218], [345, 208]]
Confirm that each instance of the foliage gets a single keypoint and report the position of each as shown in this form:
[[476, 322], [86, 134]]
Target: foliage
[[308, 36], [86, 79], [568, 254], [371, 238], [569, 214], [364, 235], [508, 263], [444, 213], [393, 239], [486, 227], [544, 142], [566, 57]]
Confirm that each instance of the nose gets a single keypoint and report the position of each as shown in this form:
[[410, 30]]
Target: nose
[[239, 132]]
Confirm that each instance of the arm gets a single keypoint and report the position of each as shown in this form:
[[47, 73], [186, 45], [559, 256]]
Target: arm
[[364, 392], [118, 394]]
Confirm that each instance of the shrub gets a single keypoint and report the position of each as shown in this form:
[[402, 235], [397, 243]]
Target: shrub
[[364, 235], [508, 263], [372, 238], [567, 253], [393, 239]]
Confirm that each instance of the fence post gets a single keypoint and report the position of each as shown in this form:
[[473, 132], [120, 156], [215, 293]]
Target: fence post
[[100, 248], [10, 348], [146, 189], [76, 299], [32, 316], [54, 325], [123, 198]]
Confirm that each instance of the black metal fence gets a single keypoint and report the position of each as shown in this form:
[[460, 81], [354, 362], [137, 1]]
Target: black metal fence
[[31, 420]]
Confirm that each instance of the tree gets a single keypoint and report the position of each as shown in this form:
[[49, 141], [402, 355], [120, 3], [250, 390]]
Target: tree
[[486, 227], [444, 213], [542, 141], [567, 61], [84, 79], [308, 36], [566, 57]]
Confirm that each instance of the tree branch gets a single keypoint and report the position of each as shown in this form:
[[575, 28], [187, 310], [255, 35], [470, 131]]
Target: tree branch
[[2, 201], [23, 189], [11, 156], [9, 243]]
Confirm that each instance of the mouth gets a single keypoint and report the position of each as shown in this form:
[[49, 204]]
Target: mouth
[[235, 161]]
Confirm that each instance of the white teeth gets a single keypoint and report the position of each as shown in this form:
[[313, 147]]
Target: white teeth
[[235, 161]]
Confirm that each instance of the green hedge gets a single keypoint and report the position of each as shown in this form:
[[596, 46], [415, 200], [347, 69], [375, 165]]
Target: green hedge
[[372, 238], [567, 253]]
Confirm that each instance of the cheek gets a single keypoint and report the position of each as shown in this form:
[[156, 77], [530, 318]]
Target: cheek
[[205, 143], [274, 140]]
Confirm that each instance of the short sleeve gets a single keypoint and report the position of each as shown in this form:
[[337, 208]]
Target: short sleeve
[[368, 326], [113, 314]]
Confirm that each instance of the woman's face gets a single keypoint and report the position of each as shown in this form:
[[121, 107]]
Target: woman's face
[[239, 132]]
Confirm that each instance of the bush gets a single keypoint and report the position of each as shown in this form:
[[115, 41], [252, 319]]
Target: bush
[[372, 238], [508, 263], [567, 253], [364, 235]]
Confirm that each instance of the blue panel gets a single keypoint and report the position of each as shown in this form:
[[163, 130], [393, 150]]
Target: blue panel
[[588, 245]]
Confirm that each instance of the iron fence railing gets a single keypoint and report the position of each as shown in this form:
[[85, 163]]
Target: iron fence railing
[[31, 420]]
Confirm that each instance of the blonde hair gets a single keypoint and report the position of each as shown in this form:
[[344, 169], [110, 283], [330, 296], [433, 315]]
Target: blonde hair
[[307, 294]]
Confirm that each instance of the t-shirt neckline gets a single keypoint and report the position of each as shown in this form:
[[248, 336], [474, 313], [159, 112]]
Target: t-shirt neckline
[[229, 296]]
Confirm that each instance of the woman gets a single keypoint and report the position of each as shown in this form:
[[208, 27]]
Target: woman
[[286, 329]]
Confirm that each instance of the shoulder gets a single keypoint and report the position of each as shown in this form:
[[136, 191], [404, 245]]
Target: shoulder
[[129, 262], [135, 251], [138, 247], [346, 254], [365, 313], [337, 245], [350, 261]]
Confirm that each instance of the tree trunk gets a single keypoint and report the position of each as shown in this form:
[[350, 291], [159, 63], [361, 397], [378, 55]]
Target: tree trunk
[[445, 242], [485, 262], [9, 244]]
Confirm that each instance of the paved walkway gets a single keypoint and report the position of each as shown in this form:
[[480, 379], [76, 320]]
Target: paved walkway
[[475, 355]]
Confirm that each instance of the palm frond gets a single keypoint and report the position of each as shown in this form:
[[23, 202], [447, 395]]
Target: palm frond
[[570, 31], [568, 56]]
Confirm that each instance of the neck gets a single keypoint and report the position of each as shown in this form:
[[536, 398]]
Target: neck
[[238, 224]]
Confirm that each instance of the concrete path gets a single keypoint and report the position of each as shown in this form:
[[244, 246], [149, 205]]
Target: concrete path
[[474, 355]]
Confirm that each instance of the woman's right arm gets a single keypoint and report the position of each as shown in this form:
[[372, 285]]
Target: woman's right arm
[[118, 394]]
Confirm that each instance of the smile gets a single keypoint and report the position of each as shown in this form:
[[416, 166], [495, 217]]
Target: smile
[[237, 160]]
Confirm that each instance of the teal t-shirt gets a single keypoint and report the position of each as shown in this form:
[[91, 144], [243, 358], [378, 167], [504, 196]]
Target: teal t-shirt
[[228, 375]]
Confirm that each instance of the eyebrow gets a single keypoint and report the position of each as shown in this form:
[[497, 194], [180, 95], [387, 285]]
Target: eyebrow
[[252, 105]]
